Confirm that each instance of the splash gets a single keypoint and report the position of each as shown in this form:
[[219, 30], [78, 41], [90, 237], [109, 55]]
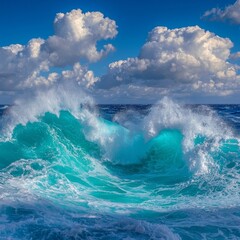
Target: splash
[[67, 172]]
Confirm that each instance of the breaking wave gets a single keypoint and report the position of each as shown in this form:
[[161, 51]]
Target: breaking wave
[[69, 173]]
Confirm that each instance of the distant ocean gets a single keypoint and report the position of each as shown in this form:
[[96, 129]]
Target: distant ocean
[[166, 171]]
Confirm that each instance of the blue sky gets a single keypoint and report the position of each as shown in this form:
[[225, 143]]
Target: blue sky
[[26, 19], [21, 21]]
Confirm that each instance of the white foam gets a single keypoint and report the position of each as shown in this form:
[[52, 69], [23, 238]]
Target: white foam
[[203, 122], [62, 97], [126, 145]]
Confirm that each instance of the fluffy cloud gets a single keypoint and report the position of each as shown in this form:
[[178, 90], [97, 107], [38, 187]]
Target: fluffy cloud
[[75, 38], [230, 13], [19, 64], [235, 55], [81, 75], [181, 59]]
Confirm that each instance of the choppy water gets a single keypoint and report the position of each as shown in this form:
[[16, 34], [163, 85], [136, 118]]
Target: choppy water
[[72, 170]]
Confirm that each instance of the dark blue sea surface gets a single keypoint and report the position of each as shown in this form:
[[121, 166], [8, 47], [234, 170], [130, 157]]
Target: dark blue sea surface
[[79, 171]]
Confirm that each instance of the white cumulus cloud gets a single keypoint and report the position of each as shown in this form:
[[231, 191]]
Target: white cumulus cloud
[[75, 39], [76, 36], [81, 75], [182, 59], [230, 13]]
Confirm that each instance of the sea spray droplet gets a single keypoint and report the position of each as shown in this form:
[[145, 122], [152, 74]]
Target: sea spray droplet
[[172, 172]]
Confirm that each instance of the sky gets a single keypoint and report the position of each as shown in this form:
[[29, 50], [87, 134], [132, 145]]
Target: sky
[[122, 51]]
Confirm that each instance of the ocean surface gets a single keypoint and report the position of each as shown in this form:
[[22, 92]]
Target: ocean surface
[[73, 170]]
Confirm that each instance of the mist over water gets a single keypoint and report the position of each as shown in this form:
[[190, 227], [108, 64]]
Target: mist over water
[[72, 170]]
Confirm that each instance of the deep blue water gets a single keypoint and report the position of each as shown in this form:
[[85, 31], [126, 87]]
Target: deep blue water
[[166, 171]]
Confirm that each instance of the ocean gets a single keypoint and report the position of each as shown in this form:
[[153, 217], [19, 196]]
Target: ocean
[[75, 170]]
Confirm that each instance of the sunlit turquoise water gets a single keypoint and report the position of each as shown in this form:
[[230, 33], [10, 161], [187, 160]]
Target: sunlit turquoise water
[[166, 172]]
